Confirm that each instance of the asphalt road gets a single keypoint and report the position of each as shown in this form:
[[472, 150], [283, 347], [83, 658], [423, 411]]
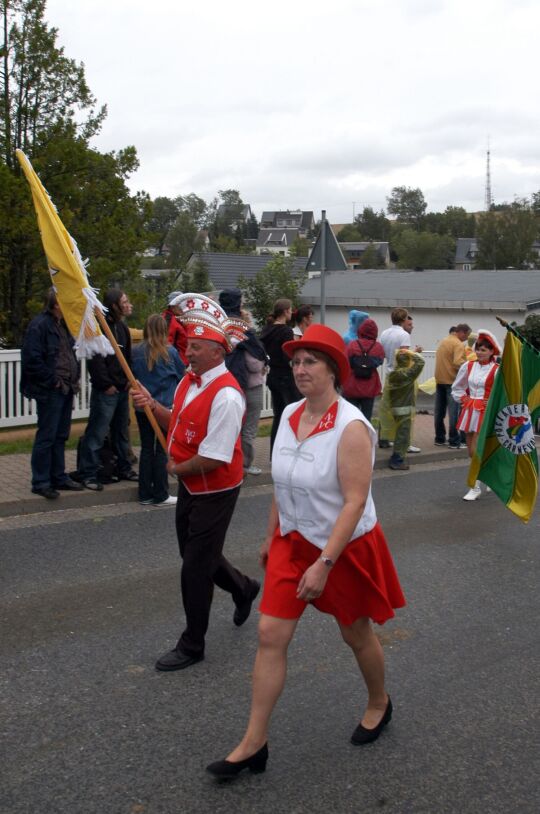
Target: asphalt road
[[90, 598]]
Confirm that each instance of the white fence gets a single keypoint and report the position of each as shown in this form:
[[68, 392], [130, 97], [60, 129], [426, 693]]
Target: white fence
[[17, 411]]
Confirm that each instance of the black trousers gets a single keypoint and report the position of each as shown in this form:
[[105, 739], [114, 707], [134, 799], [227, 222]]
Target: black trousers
[[201, 525]]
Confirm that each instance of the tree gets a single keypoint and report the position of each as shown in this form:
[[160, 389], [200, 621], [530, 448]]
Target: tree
[[252, 227], [530, 330], [371, 258], [408, 205], [505, 237], [373, 225], [183, 241], [163, 215], [349, 234], [200, 280], [276, 280], [49, 112], [194, 206], [301, 247], [424, 250]]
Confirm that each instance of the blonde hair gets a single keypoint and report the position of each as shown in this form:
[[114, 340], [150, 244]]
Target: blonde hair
[[155, 336]]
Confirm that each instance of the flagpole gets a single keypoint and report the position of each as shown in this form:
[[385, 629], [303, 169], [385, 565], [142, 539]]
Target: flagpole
[[131, 378]]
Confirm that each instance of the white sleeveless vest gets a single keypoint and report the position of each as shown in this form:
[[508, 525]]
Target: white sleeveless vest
[[306, 484]]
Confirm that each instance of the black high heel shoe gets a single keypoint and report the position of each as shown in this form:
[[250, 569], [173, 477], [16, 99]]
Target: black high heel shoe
[[362, 735], [226, 769]]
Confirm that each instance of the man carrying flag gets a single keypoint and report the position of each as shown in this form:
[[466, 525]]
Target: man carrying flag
[[506, 458]]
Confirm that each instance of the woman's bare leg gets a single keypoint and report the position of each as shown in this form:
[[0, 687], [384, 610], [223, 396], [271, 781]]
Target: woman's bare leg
[[268, 681], [369, 654], [470, 438]]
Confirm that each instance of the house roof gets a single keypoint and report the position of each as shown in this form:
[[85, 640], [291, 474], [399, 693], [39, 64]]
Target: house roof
[[224, 269], [382, 246], [466, 248], [276, 237], [481, 290], [303, 220]]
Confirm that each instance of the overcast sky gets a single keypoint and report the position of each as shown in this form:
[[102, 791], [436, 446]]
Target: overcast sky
[[316, 105]]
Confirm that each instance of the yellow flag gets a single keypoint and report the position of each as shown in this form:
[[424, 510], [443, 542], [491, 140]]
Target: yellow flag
[[76, 297]]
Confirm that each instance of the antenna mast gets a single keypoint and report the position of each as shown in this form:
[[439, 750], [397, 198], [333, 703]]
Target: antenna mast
[[488, 197]]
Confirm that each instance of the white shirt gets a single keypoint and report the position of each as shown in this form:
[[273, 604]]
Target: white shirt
[[225, 421], [306, 482], [391, 339]]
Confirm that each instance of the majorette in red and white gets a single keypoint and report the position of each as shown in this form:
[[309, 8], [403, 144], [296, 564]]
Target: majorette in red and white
[[473, 384]]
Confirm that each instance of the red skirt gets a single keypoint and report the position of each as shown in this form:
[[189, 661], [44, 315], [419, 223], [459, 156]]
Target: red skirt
[[363, 582]]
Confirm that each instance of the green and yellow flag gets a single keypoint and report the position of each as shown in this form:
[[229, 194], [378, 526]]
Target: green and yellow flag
[[505, 457], [76, 297]]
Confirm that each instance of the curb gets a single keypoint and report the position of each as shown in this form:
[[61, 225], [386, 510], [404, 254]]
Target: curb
[[125, 492]]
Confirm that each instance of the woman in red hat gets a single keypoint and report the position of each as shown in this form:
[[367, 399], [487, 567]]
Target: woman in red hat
[[323, 546], [471, 389]]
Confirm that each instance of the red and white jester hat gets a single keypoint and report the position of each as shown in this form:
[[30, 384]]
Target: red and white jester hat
[[489, 337], [204, 318]]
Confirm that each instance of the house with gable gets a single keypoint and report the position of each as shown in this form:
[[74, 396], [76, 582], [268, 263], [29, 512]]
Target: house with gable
[[466, 253], [279, 230]]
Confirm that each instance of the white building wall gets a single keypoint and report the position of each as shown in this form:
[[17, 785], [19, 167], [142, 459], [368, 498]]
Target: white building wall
[[430, 326]]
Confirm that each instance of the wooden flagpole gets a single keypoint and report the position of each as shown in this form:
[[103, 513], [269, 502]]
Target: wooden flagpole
[[127, 370]]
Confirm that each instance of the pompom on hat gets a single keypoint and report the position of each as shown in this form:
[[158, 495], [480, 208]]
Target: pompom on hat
[[326, 340], [204, 318], [487, 335]]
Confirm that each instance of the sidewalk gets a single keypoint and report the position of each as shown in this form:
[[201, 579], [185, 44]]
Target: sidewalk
[[16, 497]]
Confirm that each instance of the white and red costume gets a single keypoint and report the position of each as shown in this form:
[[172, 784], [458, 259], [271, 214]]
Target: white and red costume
[[363, 581], [472, 387]]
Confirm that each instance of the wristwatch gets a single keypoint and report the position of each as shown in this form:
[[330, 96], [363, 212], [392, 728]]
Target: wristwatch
[[327, 561]]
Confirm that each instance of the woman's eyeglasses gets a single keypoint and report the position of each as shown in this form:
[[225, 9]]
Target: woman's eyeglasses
[[307, 362]]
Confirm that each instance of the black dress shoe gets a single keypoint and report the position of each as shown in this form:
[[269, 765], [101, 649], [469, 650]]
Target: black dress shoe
[[48, 492], [242, 611], [69, 485], [176, 660], [384, 444], [226, 770], [362, 735]]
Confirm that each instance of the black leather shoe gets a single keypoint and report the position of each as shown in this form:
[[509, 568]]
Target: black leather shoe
[[69, 485], [384, 444], [226, 770], [361, 735], [176, 660], [241, 613], [48, 492]]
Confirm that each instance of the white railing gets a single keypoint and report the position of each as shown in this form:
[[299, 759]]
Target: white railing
[[17, 411]]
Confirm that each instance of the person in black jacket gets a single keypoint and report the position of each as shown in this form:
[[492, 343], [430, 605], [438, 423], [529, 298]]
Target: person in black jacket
[[247, 362], [109, 402], [280, 379], [50, 375]]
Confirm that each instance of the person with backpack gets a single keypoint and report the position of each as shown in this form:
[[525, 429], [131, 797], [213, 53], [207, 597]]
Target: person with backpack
[[248, 364], [365, 355]]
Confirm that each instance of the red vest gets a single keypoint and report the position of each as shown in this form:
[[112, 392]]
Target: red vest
[[189, 427]]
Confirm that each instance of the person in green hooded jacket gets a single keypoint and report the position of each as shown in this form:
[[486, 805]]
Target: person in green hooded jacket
[[401, 391]]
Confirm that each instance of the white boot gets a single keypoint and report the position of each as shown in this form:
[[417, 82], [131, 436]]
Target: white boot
[[473, 493]]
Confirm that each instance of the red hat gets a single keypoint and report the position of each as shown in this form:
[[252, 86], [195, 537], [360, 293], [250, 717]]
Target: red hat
[[487, 335], [326, 340]]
